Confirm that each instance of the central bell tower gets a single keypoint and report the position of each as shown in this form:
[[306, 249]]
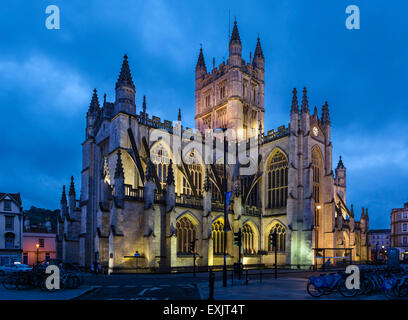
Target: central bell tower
[[232, 94]]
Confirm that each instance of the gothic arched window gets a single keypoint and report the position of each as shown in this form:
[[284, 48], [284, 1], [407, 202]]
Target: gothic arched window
[[280, 238], [218, 236], [186, 232], [317, 174], [253, 197], [277, 181], [196, 174], [161, 159], [248, 239], [217, 195], [316, 178]]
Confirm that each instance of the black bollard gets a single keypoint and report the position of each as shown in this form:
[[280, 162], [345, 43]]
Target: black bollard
[[246, 277]]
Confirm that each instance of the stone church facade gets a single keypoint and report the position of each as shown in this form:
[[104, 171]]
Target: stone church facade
[[149, 187]]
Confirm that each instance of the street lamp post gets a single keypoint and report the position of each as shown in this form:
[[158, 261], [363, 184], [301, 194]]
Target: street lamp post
[[376, 252], [224, 274], [224, 270], [37, 245]]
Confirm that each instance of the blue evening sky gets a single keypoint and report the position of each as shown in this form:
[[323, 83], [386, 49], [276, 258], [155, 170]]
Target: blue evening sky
[[47, 77]]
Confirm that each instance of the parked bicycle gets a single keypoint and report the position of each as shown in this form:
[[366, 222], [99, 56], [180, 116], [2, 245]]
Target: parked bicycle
[[37, 277], [392, 283]]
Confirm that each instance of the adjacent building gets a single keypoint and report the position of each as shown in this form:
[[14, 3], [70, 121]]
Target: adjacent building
[[399, 228], [380, 241], [39, 243], [151, 186], [11, 228]]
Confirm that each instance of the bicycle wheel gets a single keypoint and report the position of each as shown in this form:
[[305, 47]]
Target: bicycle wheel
[[392, 293], [313, 291], [365, 287], [73, 282], [344, 291], [43, 286], [10, 283], [403, 291]]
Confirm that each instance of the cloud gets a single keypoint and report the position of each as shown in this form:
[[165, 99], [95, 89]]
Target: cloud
[[372, 149], [49, 85]]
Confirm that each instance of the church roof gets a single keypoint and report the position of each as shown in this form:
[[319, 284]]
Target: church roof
[[125, 77], [14, 196]]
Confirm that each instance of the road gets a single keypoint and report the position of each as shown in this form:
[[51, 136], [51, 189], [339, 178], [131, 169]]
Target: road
[[291, 284], [261, 285], [144, 287]]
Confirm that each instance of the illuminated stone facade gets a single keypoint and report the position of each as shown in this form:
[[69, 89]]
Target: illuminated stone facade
[[135, 196], [399, 228]]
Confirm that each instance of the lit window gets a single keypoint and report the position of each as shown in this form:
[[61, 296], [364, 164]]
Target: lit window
[[248, 239], [280, 238], [207, 100], [186, 233], [161, 160], [277, 190], [317, 171], [196, 174], [222, 92], [218, 237]]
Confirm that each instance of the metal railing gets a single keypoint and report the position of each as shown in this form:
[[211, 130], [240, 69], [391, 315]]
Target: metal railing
[[134, 194], [189, 202]]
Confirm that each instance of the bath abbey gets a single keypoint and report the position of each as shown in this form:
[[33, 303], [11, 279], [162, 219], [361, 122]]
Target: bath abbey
[[153, 193]]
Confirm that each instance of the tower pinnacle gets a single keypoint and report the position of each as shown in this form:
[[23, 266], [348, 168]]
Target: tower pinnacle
[[64, 196], [305, 103], [235, 48], [125, 77], [94, 106], [325, 113], [295, 106], [200, 61], [235, 38], [72, 187], [340, 164], [259, 59]]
